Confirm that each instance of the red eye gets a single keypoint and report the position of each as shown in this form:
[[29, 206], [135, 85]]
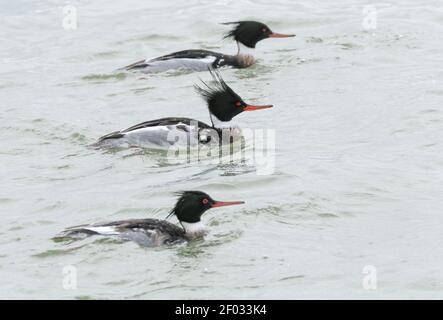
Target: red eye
[[205, 201], [264, 30], [238, 103]]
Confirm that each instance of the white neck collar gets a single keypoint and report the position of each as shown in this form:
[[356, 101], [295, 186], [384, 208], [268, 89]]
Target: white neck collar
[[244, 50], [195, 229], [218, 123]]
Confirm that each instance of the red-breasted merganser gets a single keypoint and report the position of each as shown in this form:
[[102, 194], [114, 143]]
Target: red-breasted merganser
[[245, 33], [153, 232], [223, 104]]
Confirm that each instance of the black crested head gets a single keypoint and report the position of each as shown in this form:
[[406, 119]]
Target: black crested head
[[191, 205], [248, 32], [222, 101], [251, 32]]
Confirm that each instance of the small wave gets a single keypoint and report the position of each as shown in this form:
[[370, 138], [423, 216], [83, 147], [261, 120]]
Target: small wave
[[98, 78]]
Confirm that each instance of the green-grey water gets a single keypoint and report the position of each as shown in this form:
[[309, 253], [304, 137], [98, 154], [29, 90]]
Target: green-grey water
[[358, 173]]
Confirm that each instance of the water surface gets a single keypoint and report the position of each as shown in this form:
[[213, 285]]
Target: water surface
[[358, 177]]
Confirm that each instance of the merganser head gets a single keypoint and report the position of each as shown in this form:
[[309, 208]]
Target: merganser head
[[192, 204], [251, 32], [222, 101]]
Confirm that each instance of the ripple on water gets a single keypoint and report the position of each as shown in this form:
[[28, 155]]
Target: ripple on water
[[232, 169], [85, 297], [347, 45], [121, 282], [103, 77], [314, 40], [149, 38], [200, 247], [142, 90], [57, 252], [255, 71], [107, 54], [78, 138], [7, 200], [289, 278], [428, 284], [436, 92]]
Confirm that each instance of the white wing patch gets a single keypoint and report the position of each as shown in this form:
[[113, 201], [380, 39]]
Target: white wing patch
[[103, 230], [207, 59]]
